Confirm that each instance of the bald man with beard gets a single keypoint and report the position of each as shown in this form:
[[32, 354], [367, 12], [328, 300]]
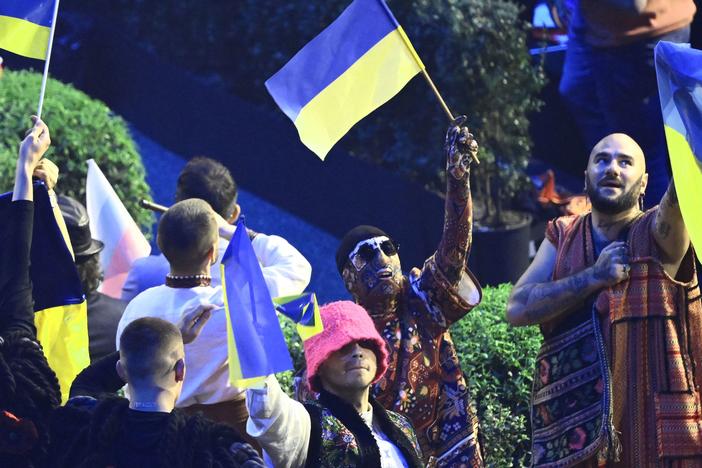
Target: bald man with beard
[[615, 294]]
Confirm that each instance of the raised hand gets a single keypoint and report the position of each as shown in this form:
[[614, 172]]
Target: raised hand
[[34, 145], [31, 150], [47, 172], [612, 265], [192, 323], [460, 147]]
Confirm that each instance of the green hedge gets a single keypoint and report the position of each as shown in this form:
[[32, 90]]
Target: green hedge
[[81, 128], [497, 360]]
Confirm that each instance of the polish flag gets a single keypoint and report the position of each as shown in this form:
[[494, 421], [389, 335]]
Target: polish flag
[[111, 223]]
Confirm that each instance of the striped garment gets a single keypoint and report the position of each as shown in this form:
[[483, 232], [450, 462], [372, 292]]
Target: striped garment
[[652, 329]]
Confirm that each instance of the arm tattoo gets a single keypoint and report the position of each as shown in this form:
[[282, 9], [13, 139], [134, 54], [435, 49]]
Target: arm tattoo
[[546, 301], [458, 222], [663, 229]]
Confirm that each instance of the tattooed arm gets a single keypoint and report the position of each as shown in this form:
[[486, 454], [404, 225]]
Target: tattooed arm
[[536, 299], [669, 231], [461, 149]]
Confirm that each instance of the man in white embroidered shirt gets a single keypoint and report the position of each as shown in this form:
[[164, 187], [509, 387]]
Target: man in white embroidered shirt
[[188, 237]]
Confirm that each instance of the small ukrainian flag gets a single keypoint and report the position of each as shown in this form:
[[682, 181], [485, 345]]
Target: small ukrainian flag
[[60, 309], [25, 26]]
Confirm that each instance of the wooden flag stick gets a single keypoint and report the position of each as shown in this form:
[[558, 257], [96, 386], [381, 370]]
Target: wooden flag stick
[[437, 94], [443, 104], [410, 47], [48, 59]]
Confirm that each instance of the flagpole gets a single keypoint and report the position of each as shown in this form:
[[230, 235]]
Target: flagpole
[[437, 94], [48, 59], [414, 54], [410, 47]]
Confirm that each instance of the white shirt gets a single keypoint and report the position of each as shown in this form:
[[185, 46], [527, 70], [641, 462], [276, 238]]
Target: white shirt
[[206, 358], [285, 270], [282, 426]]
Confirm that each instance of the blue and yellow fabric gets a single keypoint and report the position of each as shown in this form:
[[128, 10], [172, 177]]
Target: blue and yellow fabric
[[302, 309], [350, 69], [255, 340], [61, 316], [679, 71], [25, 26]]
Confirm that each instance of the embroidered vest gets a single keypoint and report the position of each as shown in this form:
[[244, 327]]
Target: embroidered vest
[[341, 439], [651, 326], [571, 400]]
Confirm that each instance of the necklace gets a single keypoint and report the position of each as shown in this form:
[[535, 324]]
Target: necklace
[[187, 281]]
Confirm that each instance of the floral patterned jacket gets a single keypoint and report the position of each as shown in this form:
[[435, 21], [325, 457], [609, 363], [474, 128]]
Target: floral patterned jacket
[[341, 439], [424, 380]]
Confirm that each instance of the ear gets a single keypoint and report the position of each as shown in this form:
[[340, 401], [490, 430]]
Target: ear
[[644, 183], [213, 253], [235, 214], [121, 371], [179, 370]]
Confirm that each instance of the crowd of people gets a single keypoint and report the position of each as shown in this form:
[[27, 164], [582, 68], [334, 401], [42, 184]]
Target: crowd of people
[[614, 292]]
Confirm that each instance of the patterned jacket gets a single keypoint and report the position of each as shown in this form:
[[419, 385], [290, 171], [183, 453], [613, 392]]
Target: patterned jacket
[[652, 329], [424, 380], [341, 439]]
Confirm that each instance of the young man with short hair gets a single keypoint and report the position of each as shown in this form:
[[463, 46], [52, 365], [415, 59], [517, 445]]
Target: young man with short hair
[[146, 430], [285, 270]]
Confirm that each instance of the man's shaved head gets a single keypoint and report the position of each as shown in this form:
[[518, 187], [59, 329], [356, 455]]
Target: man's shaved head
[[619, 143], [615, 178], [149, 349]]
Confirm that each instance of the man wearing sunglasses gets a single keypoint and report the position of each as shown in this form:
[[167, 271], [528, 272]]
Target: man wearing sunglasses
[[424, 379]]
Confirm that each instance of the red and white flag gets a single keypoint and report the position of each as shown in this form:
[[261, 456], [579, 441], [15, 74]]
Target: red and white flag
[[111, 223]]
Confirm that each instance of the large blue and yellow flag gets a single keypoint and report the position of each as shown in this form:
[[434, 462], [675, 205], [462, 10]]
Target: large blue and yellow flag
[[255, 341], [350, 69], [679, 71], [25, 26], [60, 308]]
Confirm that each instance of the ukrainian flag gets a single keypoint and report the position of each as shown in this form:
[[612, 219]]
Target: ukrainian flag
[[255, 342], [60, 309], [25, 26], [679, 71], [353, 67], [302, 309]]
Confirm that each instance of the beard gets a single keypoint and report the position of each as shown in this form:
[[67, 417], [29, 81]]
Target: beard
[[611, 206]]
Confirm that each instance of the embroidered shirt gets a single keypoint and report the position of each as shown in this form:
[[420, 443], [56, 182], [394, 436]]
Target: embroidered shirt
[[652, 329]]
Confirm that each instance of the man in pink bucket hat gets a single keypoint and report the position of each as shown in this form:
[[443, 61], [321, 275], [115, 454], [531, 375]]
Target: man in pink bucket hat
[[345, 427]]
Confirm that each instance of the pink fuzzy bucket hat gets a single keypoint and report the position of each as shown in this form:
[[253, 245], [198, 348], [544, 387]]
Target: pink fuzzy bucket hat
[[344, 322]]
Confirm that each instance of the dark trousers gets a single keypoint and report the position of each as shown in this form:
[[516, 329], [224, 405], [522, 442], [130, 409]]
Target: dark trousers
[[614, 90]]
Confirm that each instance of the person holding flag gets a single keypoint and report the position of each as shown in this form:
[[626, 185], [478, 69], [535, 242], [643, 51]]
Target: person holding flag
[[345, 427], [615, 294], [188, 236], [29, 389], [413, 314]]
